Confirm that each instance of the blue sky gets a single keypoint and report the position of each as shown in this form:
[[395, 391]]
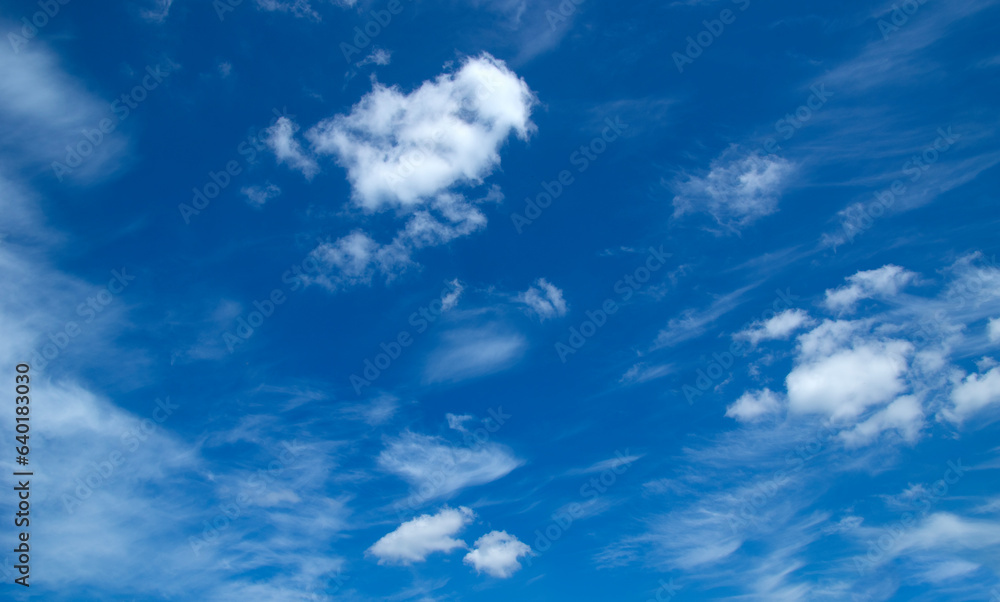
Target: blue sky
[[497, 299]]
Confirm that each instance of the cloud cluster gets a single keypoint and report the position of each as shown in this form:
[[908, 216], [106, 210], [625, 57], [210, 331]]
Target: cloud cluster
[[495, 553], [889, 371], [411, 153]]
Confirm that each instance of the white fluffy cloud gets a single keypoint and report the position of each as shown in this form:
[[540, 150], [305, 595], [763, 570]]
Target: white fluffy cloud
[[496, 554], [412, 152], [975, 392], [780, 326], [416, 539], [403, 149], [437, 469], [738, 189], [842, 381], [544, 299], [754, 405], [884, 282]]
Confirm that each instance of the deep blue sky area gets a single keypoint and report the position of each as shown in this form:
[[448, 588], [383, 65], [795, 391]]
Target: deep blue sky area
[[501, 300]]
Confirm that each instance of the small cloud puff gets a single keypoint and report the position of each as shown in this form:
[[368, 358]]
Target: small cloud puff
[[496, 554], [544, 299], [258, 196], [754, 405], [739, 188], [780, 326]]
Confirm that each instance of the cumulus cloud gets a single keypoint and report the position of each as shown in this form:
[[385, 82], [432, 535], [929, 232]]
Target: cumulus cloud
[[436, 468], [258, 196], [414, 540], [754, 405], [415, 153], [496, 554], [544, 299], [780, 326], [738, 189], [975, 392], [402, 149], [844, 381], [884, 282]]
